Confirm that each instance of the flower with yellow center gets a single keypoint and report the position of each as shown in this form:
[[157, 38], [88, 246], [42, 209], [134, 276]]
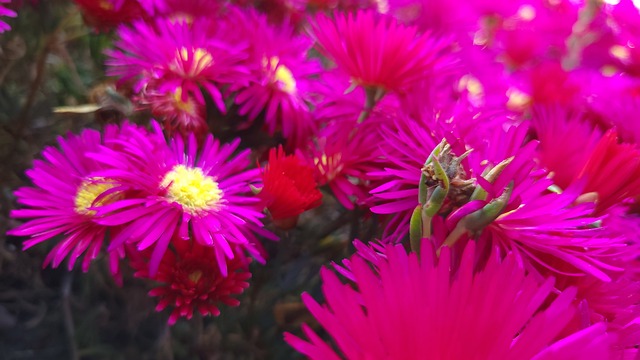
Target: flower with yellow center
[[191, 188], [89, 191], [281, 74]]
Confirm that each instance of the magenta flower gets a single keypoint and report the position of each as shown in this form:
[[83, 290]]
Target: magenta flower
[[375, 50], [574, 150], [167, 55], [65, 198], [281, 81], [183, 193], [6, 12], [343, 155], [566, 141], [416, 308]]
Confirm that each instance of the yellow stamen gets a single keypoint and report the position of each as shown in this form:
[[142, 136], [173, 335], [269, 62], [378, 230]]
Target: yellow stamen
[[89, 190], [201, 59], [184, 106], [281, 74], [191, 188]]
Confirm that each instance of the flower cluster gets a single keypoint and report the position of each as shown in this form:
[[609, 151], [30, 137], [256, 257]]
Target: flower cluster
[[497, 141], [153, 201]]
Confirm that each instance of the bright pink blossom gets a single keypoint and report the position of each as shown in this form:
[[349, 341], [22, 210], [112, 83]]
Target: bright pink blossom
[[375, 50], [416, 308], [182, 192]]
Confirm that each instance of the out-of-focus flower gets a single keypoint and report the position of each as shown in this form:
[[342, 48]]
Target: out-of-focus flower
[[281, 81], [166, 55], [185, 193], [343, 155], [289, 188], [415, 308], [179, 114], [190, 280], [6, 12], [573, 149], [612, 171], [182, 9], [65, 199], [107, 14], [376, 51], [550, 84], [566, 142]]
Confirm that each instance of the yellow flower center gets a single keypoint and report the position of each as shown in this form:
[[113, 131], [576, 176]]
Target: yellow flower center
[[281, 74], [184, 106], [201, 59], [89, 191], [329, 166], [191, 188]]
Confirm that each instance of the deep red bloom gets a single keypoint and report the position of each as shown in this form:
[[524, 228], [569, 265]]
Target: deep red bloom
[[191, 280], [289, 186], [107, 14]]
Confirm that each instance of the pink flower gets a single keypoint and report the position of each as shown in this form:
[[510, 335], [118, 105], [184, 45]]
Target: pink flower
[[343, 155], [416, 308], [375, 50], [282, 79], [566, 142], [612, 171], [65, 198], [185, 193], [167, 55], [574, 150]]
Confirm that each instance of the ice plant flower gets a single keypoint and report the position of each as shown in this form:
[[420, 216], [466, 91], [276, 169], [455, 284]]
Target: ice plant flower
[[289, 188], [416, 308], [5, 12], [183, 193], [179, 114], [574, 150], [190, 280], [64, 199], [566, 142], [343, 155], [612, 171], [375, 50], [281, 81], [166, 55]]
